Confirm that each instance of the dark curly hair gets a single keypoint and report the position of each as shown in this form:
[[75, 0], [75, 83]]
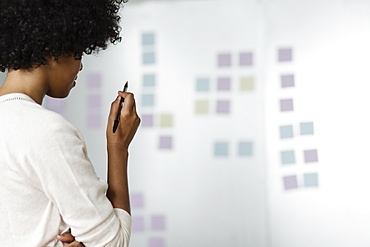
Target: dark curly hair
[[31, 30]]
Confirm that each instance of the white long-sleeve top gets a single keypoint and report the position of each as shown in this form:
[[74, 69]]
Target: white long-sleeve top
[[48, 184]]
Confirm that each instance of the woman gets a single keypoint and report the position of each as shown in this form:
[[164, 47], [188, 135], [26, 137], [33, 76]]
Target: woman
[[47, 183]]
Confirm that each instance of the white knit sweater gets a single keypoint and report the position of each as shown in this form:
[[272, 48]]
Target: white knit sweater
[[48, 184]]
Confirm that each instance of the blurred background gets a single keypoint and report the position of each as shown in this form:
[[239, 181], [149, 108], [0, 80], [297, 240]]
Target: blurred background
[[254, 121]]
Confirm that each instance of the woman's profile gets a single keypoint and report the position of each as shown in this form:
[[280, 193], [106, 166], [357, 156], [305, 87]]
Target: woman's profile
[[50, 193]]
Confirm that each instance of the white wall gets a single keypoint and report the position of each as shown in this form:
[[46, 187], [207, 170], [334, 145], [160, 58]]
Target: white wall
[[193, 194]]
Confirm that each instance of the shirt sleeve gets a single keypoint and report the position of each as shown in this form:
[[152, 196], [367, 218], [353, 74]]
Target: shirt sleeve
[[67, 177]]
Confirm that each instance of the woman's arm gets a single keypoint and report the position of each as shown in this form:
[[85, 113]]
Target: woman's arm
[[117, 147]]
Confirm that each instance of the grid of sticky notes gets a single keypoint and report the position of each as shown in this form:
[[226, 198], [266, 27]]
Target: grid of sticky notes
[[94, 101], [150, 117], [288, 133], [154, 225], [224, 83]]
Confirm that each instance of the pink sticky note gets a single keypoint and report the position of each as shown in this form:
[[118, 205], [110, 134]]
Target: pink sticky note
[[286, 105], [94, 101], [138, 224], [156, 242], [147, 120], [223, 84], [285, 55], [246, 59], [287, 80], [310, 156], [158, 222], [94, 121], [290, 182], [137, 200], [94, 80], [223, 106], [224, 60], [165, 142]]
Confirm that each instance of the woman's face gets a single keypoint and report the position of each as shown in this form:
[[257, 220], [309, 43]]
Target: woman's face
[[63, 75]]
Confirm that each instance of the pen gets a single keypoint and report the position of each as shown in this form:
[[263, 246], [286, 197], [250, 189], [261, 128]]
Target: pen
[[115, 125]]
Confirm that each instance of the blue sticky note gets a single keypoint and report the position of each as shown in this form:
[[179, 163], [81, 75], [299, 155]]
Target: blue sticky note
[[307, 128], [148, 39], [202, 84], [221, 149], [311, 180], [245, 148], [147, 100], [148, 58], [287, 157], [149, 80], [286, 131]]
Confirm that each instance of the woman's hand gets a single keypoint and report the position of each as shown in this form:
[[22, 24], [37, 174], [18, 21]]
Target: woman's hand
[[128, 123], [68, 238]]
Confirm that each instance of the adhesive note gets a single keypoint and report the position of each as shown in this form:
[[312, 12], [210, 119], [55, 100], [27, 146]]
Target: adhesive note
[[246, 59], [285, 55], [307, 128], [147, 100], [223, 84], [93, 120], [147, 120], [156, 242], [221, 149], [286, 131], [287, 81], [94, 80], [165, 142], [246, 84], [148, 58], [166, 120], [94, 101], [202, 84], [245, 149], [310, 156], [224, 60], [148, 39], [290, 182], [149, 80], [138, 224], [286, 105], [137, 200], [223, 106], [201, 107], [311, 180], [158, 223], [287, 157], [56, 105]]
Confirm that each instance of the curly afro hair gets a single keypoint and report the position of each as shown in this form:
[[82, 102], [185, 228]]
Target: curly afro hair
[[31, 30]]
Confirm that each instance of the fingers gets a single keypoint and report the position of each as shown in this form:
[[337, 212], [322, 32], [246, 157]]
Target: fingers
[[66, 237], [75, 244], [129, 100]]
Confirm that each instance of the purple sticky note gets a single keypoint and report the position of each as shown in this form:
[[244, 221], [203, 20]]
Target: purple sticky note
[[158, 223], [93, 120], [286, 105], [285, 55], [223, 106], [56, 105], [94, 80], [246, 59], [156, 242], [137, 200], [223, 84], [287, 81], [94, 101], [138, 224], [147, 120], [224, 60], [290, 182], [310, 156], [165, 142]]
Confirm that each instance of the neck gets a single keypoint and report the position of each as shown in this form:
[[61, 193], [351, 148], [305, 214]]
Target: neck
[[30, 82]]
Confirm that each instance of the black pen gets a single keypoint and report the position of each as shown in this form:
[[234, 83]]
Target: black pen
[[115, 125]]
